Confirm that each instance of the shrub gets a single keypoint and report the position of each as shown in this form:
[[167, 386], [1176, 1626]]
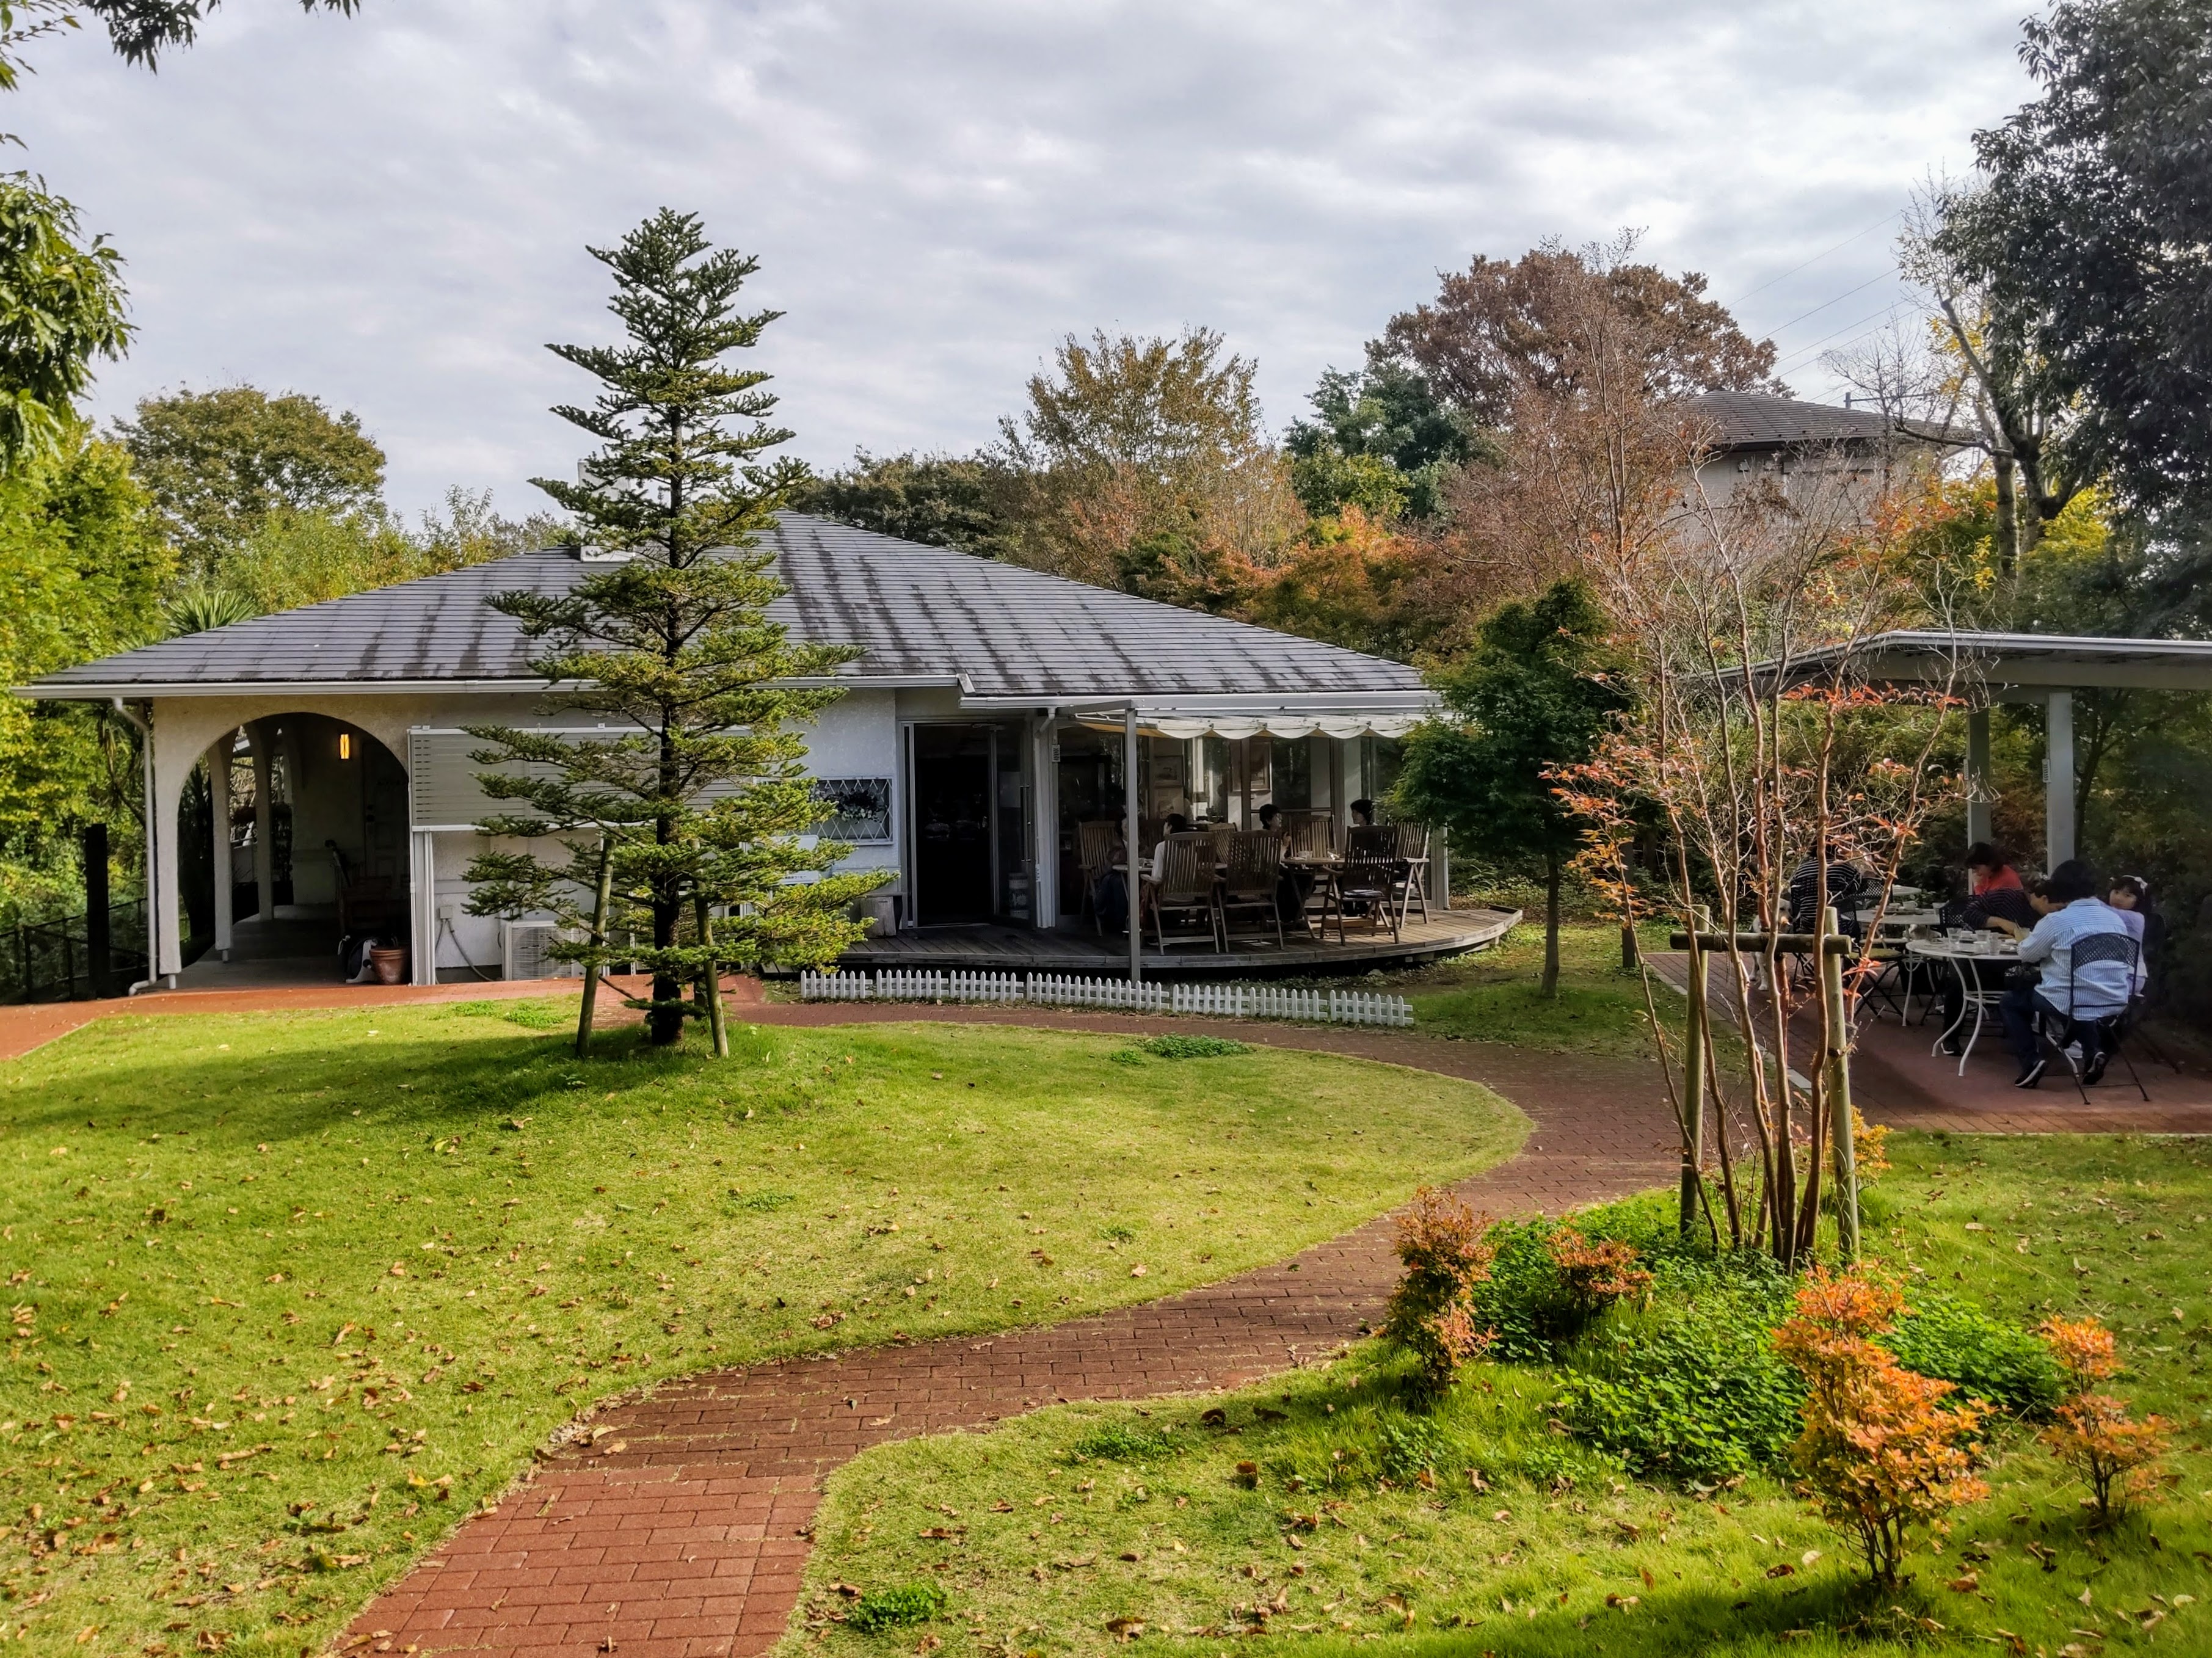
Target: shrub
[[895, 1608], [1958, 1343], [1192, 1047], [1441, 1243], [1124, 1441], [1548, 1284], [2092, 1433], [1879, 1451], [1696, 1394]]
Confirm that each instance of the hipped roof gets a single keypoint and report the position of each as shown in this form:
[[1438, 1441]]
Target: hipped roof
[[921, 616]]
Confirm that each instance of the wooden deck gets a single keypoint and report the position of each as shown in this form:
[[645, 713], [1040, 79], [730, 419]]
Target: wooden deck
[[1024, 950]]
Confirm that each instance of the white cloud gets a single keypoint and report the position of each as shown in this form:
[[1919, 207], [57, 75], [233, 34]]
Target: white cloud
[[389, 211]]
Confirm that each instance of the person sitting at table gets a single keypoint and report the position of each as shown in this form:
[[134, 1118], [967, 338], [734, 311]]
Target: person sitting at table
[[2128, 895], [1996, 892], [1363, 813], [1298, 881], [1988, 869], [2070, 912], [2023, 906], [1175, 824]]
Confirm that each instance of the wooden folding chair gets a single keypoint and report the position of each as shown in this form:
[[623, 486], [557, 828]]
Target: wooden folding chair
[[1185, 889], [1253, 884]]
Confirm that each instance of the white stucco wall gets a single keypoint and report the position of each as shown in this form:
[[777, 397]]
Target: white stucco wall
[[856, 737]]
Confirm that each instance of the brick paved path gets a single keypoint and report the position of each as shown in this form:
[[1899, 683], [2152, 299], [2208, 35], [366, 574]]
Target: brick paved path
[[683, 1530]]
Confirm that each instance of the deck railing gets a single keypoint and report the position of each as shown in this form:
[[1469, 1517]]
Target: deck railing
[[1225, 1001]]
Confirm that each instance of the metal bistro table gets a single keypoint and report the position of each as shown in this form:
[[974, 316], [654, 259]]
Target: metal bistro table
[[1967, 958]]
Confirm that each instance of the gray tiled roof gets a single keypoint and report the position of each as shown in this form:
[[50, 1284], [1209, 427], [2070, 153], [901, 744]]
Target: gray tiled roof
[[1755, 420], [918, 612]]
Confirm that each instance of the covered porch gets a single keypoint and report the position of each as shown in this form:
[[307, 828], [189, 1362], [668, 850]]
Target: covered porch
[[2038, 670]]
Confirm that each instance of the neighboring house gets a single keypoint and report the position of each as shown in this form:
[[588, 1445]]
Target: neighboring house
[[983, 720], [1759, 441]]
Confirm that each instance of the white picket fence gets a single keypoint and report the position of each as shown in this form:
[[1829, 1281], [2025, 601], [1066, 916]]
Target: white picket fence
[[1231, 1001]]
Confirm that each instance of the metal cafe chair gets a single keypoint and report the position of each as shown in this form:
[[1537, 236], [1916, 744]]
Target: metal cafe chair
[[1252, 885], [2105, 1032], [1185, 889]]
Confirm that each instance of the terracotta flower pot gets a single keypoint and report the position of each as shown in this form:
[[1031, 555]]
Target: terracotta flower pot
[[390, 966]]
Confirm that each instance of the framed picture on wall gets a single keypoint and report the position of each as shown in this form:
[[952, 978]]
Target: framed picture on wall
[[857, 809]]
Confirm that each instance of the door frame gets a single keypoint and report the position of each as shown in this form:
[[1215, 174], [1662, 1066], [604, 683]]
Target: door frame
[[909, 848]]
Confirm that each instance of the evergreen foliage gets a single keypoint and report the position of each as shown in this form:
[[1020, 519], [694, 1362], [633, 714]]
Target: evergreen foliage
[[699, 806], [1533, 696]]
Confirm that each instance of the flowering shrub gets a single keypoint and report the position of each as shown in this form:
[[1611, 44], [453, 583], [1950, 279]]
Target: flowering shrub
[[1547, 1283], [2092, 1433], [1593, 1275], [1879, 1452], [1432, 1313]]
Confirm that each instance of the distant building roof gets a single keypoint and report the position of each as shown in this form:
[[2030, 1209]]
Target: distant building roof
[[921, 616], [1757, 420]]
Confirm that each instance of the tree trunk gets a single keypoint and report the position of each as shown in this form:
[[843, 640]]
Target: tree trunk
[[588, 1011], [2008, 510], [1551, 924]]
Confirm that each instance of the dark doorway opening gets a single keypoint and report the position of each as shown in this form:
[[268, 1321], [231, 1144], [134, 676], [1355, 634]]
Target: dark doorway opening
[[954, 867]]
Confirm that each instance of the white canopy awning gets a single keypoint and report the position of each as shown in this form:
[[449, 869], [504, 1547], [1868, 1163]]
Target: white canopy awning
[[1233, 718]]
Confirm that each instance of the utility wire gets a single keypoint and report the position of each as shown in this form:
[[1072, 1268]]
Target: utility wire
[[1880, 276], [1816, 258], [1805, 355]]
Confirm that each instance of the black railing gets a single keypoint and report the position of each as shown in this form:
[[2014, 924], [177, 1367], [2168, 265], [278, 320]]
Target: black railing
[[61, 961]]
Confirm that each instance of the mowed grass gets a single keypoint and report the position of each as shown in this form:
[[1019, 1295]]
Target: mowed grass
[[292, 1293], [1302, 1514], [1496, 996]]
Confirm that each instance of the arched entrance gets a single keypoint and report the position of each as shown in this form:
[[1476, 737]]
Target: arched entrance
[[292, 838]]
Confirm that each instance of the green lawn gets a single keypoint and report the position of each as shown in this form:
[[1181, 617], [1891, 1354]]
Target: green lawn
[[1046, 1532], [292, 1293], [1494, 996]]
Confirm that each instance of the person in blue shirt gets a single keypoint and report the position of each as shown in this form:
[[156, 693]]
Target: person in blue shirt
[[2070, 909]]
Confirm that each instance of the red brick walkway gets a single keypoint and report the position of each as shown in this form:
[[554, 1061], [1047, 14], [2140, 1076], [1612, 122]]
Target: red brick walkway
[[681, 1529]]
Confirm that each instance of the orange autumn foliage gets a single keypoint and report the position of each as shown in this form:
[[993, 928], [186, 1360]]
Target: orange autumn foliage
[[1593, 1274], [1446, 1252], [1880, 1451], [2091, 1433]]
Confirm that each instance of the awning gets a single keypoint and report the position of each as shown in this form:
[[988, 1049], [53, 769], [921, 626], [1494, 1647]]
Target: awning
[[1184, 720]]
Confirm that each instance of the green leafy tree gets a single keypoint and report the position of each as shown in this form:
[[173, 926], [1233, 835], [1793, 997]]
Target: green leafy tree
[[61, 308], [1383, 441], [962, 502], [223, 465], [701, 807], [82, 563], [1534, 696], [2093, 239], [139, 30]]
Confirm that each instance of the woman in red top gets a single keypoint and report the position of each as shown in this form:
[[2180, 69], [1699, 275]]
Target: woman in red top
[[1988, 869]]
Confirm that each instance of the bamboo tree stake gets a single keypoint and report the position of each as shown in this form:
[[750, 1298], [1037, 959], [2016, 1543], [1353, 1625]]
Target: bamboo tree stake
[[598, 942], [710, 979], [1838, 1062], [1693, 1080]]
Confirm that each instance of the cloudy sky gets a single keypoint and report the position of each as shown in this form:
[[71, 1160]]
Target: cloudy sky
[[391, 211]]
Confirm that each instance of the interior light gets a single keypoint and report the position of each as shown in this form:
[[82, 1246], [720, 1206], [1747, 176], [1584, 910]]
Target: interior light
[[345, 745]]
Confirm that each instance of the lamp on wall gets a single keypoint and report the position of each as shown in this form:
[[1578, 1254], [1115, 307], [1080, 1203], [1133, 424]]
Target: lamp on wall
[[345, 745]]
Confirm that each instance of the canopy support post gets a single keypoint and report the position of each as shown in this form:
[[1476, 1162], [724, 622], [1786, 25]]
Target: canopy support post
[[1979, 796], [2059, 781], [1132, 855]]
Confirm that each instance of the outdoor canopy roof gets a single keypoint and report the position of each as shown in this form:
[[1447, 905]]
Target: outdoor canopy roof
[[1172, 721], [2032, 663], [1002, 635]]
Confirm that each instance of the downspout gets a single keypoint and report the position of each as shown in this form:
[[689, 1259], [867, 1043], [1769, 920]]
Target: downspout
[[153, 910]]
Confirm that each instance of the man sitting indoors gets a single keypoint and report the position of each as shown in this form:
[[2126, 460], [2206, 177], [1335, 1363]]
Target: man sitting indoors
[[2070, 911]]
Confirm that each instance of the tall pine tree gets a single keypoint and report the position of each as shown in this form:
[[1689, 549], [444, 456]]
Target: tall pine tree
[[685, 829]]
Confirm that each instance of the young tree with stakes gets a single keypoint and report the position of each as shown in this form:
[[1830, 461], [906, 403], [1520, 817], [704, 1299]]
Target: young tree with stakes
[[698, 805]]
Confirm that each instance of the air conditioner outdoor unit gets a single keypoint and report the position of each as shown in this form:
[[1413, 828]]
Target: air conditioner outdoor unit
[[523, 951]]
